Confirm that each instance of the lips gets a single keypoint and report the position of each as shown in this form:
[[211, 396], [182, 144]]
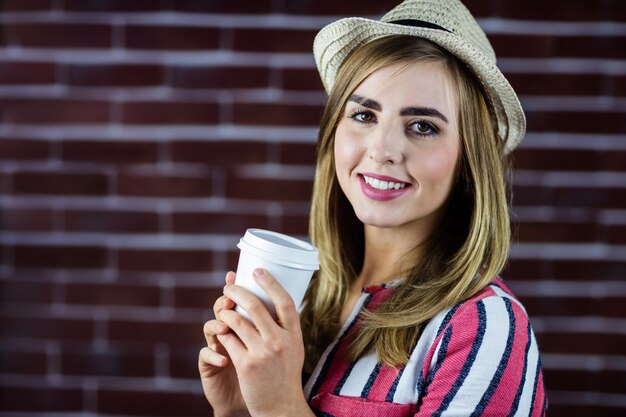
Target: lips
[[382, 188]]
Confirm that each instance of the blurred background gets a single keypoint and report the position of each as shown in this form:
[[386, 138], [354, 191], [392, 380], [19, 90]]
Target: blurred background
[[139, 139]]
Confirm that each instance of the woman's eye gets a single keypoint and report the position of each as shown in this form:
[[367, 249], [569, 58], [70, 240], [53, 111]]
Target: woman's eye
[[423, 128], [363, 117]]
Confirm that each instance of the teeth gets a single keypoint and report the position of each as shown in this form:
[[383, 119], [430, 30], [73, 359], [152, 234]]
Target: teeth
[[383, 185]]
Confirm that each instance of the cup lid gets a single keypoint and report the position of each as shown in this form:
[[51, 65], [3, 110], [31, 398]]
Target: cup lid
[[281, 248]]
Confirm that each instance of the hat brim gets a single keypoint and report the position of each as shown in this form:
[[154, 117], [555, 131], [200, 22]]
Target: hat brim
[[334, 42]]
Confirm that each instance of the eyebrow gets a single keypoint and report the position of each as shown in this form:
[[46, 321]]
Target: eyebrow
[[406, 111]]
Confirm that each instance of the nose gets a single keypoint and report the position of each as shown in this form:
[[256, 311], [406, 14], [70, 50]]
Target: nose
[[385, 146]]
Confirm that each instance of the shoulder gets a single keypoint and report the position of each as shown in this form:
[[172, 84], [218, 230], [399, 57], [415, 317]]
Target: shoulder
[[495, 305], [484, 349]]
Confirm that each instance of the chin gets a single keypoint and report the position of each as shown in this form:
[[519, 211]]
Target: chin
[[375, 220]]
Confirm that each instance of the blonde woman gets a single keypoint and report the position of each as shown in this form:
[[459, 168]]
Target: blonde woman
[[407, 315]]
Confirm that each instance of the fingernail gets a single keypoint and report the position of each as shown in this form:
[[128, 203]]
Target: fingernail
[[258, 273]]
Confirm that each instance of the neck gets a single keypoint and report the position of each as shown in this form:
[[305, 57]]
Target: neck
[[388, 253]]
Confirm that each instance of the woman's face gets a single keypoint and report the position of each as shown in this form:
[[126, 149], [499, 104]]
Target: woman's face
[[397, 146]]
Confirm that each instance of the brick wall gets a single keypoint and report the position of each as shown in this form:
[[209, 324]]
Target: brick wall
[[140, 138]]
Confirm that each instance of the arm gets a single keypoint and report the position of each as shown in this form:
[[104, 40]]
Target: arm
[[485, 364]]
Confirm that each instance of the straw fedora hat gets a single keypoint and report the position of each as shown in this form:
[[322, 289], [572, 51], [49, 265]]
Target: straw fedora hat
[[447, 23]]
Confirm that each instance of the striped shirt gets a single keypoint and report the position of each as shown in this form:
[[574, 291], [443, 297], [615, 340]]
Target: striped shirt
[[478, 358]]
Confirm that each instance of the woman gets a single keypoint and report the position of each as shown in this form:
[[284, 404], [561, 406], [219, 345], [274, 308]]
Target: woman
[[406, 316]]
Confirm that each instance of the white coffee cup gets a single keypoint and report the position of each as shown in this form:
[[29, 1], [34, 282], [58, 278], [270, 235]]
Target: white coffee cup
[[291, 261]]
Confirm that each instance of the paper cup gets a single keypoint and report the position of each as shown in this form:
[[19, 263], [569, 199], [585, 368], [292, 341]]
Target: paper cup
[[291, 261]]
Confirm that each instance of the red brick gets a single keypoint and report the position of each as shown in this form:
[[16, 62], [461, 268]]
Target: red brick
[[112, 362], [152, 403], [21, 5], [25, 219], [177, 334], [184, 363], [171, 37], [45, 328], [583, 380], [588, 270], [575, 306], [223, 6], [538, 121], [619, 86], [588, 197], [583, 122], [22, 362], [47, 400], [574, 232], [112, 295], [53, 111], [220, 77], [587, 410], [117, 152], [164, 186], [111, 221], [203, 223], [232, 258], [557, 84], [173, 260], [122, 75], [592, 47], [269, 189], [572, 10], [220, 153], [526, 270], [24, 149], [277, 114], [273, 40], [559, 159], [6, 183], [295, 225], [616, 234], [64, 35], [111, 5], [27, 72], [65, 257], [301, 79], [581, 343], [530, 195], [196, 297], [59, 183], [170, 112], [615, 160], [531, 46], [298, 153], [618, 11], [25, 292]]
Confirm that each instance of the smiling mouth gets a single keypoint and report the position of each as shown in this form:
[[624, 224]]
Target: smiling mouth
[[383, 185]]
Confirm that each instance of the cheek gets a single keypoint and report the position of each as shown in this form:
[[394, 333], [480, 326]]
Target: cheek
[[440, 170], [345, 152]]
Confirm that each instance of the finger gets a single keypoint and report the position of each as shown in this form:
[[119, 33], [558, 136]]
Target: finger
[[230, 277], [233, 345], [211, 329], [209, 357], [252, 305], [222, 303], [241, 327], [285, 307]]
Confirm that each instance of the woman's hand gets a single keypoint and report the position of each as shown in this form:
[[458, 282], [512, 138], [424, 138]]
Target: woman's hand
[[217, 373], [268, 356]]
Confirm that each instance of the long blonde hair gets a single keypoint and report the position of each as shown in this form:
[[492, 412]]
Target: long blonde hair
[[468, 249]]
